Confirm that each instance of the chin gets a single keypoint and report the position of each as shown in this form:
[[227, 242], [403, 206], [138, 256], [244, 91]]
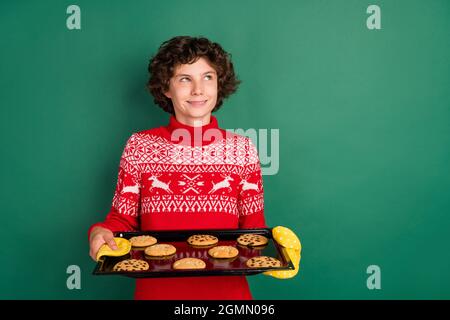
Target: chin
[[200, 112]]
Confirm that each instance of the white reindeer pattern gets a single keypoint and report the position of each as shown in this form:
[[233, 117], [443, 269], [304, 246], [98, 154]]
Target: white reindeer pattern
[[248, 185], [159, 184], [222, 184]]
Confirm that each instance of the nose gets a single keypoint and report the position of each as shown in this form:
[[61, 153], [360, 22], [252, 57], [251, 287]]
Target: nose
[[197, 88]]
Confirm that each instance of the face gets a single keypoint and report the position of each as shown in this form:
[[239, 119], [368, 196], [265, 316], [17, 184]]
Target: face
[[193, 91]]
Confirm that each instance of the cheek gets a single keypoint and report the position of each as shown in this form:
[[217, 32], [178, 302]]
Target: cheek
[[212, 89], [181, 92]]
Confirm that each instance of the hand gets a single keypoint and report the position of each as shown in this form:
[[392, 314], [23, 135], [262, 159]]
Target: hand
[[100, 236], [291, 247]]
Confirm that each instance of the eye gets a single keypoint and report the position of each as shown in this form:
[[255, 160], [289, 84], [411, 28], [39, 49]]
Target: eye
[[208, 77], [184, 79]]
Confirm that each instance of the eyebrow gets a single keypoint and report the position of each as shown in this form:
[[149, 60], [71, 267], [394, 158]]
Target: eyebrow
[[188, 75]]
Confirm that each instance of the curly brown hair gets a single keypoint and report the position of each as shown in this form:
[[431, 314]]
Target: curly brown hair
[[187, 50]]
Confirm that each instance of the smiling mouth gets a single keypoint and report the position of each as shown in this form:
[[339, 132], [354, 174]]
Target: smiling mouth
[[197, 103]]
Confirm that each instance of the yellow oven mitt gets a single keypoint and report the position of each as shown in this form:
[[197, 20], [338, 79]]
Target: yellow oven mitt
[[123, 245], [291, 246]]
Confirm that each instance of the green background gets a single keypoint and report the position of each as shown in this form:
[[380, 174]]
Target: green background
[[363, 117]]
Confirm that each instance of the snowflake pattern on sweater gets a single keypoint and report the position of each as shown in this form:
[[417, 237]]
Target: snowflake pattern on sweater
[[223, 177]]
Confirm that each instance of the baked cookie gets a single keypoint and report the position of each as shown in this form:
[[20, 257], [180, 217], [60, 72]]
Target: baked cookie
[[142, 241], [223, 252], [131, 265], [160, 250], [200, 240], [189, 263], [252, 240], [263, 262]]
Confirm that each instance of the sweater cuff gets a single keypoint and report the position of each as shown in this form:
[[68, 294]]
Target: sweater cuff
[[252, 221]]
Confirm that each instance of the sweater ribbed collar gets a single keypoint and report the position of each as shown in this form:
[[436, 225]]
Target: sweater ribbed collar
[[175, 129]]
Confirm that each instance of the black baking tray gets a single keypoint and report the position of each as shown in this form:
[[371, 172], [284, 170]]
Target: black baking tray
[[214, 267]]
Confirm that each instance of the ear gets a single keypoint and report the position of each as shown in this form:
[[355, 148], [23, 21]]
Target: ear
[[167, 94]]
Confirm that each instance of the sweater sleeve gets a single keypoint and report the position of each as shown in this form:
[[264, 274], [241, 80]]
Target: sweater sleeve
[[124, 212], [251, 195]]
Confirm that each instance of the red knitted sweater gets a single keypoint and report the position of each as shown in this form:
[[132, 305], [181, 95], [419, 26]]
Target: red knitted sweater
[[178, 177]]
